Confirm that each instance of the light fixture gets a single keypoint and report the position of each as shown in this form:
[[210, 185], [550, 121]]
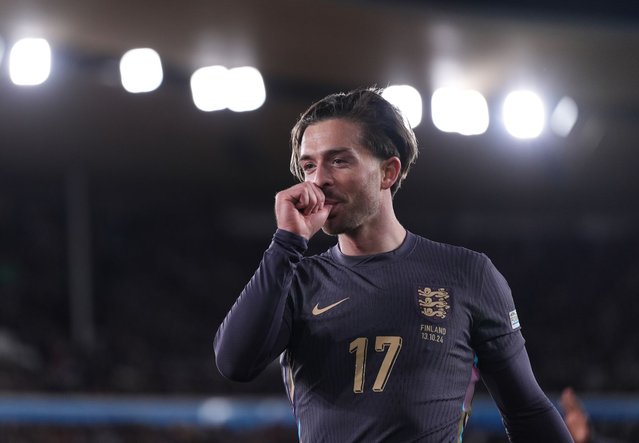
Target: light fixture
[[463, 111], [564, 117], [524, 114], [208, 88], [408, 100], [141, 70], [30, 62], [246, 87], [216, 87]]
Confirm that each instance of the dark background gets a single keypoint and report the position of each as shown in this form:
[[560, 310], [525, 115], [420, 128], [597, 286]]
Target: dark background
[[178, 202]]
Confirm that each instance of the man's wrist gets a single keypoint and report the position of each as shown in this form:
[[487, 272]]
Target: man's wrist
[[290, 240]]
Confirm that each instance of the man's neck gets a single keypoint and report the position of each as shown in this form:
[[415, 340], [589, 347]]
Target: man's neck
[[369, 240]]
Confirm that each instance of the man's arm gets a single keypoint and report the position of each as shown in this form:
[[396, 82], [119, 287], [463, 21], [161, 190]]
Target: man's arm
[[528, 415], [257, 328]]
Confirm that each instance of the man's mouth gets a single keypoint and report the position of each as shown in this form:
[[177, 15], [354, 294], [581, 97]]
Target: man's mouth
[[332, 204], [331, 200]]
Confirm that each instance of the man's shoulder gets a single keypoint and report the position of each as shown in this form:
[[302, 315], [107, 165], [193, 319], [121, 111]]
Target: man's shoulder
[[446, 250]]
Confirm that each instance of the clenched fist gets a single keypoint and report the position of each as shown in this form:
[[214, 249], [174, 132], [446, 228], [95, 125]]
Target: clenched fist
[[301, 209]]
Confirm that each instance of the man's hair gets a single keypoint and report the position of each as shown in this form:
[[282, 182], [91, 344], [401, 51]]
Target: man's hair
[[383, 129]]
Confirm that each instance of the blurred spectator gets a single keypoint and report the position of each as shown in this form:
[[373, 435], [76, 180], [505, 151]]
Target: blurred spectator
[[577, 420]]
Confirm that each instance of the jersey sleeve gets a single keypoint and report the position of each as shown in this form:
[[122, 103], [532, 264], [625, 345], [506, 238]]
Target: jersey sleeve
[[527, 414], [504, 366], [257, 328], [495, 331]]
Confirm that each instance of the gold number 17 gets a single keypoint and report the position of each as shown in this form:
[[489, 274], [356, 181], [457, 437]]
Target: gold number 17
[[360, 347]]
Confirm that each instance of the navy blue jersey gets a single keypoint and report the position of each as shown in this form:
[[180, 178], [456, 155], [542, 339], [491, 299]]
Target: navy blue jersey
[[383, 348]]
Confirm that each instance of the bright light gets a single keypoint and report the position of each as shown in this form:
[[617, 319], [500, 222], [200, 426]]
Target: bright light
[[408, 100], [524, 114], [209, 88], [463, 111], [30, 62], [246, 88], [238, 89], [141, 70], [564, 117]]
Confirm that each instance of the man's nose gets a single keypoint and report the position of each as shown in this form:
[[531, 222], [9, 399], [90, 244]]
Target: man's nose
[[322, 176]]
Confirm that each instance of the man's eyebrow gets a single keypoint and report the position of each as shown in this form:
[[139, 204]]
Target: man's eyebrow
[[328, 153]]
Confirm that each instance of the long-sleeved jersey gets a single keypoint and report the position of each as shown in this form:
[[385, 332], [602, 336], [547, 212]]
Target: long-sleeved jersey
[[386, 348]]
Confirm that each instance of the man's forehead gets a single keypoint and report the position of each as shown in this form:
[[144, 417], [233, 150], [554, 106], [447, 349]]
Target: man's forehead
[[329, 135]]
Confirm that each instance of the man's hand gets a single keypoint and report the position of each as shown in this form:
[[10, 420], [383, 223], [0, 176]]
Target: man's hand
[[300, 209]]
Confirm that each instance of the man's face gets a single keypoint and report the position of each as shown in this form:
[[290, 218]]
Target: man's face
[[332, 157]]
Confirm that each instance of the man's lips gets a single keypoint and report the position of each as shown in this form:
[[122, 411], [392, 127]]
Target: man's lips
[[332, 203], [331, 200]]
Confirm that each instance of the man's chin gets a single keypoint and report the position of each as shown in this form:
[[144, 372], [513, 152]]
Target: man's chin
[[328, 231]]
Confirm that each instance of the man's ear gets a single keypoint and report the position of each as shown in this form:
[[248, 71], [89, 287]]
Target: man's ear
[[391, 168]]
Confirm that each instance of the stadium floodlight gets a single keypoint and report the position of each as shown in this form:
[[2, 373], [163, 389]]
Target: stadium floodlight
[[564, 117], [464, 111], [239, 89], [408, 100], [209, 88], [141, 70], [524, 114], [246, 89], [30, 62]]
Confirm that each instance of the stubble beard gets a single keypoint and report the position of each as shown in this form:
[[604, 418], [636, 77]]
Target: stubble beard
[[352, 215]]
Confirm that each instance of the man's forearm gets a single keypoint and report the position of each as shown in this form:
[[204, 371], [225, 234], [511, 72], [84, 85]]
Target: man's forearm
[[528, 415]]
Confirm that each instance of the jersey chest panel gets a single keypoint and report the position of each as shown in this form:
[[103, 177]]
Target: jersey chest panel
[[381, 333]]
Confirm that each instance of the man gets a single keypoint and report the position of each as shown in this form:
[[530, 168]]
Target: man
[[383, 336]]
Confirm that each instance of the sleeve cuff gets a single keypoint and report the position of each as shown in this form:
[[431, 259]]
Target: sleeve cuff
[[290, 241]]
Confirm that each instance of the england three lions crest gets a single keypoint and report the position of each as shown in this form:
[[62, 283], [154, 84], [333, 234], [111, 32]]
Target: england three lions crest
[[434, 303]]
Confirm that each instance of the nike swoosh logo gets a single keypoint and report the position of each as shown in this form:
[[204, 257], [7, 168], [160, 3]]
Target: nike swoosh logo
[[317, 310]]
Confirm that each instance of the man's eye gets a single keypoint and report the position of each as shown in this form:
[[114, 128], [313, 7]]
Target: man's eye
[[307, 167], [339, 161]]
